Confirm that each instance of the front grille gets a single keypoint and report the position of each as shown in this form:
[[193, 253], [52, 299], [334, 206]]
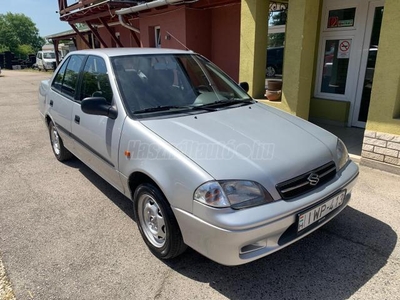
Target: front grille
[[304, 183]]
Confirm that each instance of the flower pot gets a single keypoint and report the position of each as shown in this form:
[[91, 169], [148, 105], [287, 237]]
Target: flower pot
[[273, 95], [274, 85]]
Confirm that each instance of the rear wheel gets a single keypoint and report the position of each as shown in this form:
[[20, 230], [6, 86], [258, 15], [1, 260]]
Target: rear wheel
[[157, 223], [60, 152]]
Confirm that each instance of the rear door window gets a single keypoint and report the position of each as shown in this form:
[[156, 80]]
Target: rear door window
[[70, 81], [58, 79]]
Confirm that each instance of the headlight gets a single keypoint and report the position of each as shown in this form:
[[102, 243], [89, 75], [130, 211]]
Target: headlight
[[235, 194], [342, 156]]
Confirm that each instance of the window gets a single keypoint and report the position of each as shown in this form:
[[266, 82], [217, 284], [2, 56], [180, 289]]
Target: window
[[336, 76], [57, 82], [335, 66], [157, 35], [71, 75], [95, 82], [341, 18], [49, 55], [181, 81], [276, 38]]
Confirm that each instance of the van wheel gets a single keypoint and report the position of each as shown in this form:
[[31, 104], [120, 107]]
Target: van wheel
[[157, 223], [60, 152]]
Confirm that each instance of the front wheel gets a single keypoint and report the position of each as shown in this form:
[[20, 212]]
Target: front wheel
[[157, 223], [60, 152]]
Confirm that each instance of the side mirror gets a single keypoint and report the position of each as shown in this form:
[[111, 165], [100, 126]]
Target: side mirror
[[98, 106], [245, 86]]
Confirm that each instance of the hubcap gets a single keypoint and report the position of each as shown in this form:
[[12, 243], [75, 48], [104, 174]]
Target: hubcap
[[151, 220], [270, 72], [55, 141]]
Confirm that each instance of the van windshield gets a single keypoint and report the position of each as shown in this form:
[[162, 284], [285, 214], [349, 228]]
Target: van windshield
[[173, 83], [49, 55]]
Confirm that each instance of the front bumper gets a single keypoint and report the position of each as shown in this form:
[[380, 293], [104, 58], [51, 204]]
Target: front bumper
[[236, 237]]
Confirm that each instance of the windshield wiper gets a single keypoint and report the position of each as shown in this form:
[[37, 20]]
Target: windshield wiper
[[158, 108], [209, 106], [227, 102]]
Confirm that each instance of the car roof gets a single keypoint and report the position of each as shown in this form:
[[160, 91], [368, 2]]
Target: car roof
[[130, 51]]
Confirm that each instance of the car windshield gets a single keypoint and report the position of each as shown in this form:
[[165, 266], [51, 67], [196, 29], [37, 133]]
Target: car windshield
[[174, 83], [49, 55]]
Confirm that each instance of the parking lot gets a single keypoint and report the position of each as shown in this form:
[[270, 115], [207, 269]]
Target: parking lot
[[66, 234]]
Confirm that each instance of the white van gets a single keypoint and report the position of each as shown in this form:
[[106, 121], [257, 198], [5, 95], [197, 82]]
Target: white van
[[46, 60]]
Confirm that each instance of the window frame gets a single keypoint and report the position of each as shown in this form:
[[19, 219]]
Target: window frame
[[157, 37], [350, 80], [329, 6], [341, 33]]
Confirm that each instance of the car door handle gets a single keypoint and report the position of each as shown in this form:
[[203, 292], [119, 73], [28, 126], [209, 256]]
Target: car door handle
[[51, 103], [77, 119]]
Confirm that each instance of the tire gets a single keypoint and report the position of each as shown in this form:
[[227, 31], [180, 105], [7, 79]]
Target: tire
[[270, 71], [157, 223], [60, 152]]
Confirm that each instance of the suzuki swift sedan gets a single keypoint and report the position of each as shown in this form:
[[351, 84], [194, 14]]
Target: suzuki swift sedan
[[204, 164]]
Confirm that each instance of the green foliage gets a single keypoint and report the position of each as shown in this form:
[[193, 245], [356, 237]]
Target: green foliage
[[25, 50], [4, 48], [276, 39], [18, 33]]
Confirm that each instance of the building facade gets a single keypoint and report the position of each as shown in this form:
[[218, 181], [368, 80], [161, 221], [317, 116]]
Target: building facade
[[340, 66], [340, 61]]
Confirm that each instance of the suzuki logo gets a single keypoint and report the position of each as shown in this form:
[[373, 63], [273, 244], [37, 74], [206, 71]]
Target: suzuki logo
[[313, 179]]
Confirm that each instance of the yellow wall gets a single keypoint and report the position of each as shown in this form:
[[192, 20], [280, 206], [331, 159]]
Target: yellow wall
[[384, 110], [301, 38], [331, 110], [253, 45]]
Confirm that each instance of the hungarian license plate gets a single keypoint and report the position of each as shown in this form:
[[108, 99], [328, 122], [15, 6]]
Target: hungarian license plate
[[319, 212]]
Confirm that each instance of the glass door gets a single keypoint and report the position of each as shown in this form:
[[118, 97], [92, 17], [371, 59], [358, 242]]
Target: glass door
[[368, 61]]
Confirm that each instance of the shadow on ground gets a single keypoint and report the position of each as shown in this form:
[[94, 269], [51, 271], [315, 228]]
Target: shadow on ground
[[331, 263]]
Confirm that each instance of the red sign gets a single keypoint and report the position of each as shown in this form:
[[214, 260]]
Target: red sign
[[333, 22]]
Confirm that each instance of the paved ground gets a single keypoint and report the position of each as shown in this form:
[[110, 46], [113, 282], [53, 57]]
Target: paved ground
[[66, 234]]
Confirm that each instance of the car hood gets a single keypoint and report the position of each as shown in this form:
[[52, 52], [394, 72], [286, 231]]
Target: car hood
[[254, 142]]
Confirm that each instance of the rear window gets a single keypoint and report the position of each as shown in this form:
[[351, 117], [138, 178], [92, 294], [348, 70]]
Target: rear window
[[67, 77]]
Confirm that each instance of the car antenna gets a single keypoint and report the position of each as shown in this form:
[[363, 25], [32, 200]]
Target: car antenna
[[170, 34]]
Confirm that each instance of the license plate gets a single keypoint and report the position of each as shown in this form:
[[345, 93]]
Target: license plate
[[319, 212]]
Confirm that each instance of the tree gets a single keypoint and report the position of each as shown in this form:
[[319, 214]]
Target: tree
[[18, 34]]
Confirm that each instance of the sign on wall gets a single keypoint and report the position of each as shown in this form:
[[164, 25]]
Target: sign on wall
[[344, 49]]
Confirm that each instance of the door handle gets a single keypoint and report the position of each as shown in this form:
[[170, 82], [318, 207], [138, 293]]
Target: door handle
[[77, 119], [51, 103]]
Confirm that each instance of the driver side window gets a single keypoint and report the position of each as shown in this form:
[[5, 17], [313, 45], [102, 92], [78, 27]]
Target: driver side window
[[95, 82]]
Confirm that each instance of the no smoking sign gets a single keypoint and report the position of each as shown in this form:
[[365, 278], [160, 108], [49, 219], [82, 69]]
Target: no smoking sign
[[344, 49]]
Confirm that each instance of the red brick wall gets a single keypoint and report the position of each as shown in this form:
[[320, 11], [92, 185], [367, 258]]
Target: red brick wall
[[225, 39], [171, 20]]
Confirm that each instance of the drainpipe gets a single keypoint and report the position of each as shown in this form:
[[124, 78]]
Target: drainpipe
[[147, 5], [144, 6], [123, 23]]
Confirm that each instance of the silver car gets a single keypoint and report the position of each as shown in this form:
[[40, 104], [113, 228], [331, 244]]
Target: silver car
[[204, 164]]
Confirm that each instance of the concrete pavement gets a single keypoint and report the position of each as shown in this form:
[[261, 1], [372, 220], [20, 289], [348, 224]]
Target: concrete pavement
[[66, 234]]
